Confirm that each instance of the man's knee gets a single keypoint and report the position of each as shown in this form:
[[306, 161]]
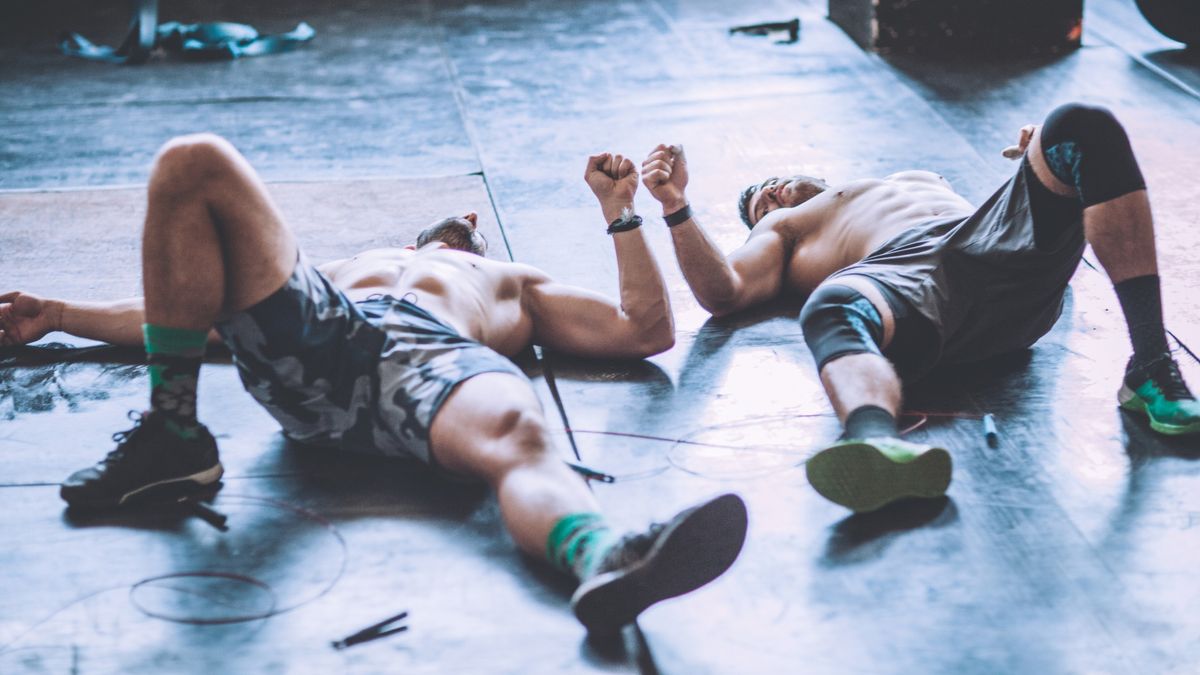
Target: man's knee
[[1084, 117], [517, 438], [192, 160], [1087, 148], [837, 321]]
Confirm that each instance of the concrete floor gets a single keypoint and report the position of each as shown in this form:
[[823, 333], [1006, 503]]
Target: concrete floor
[[1069, 548]]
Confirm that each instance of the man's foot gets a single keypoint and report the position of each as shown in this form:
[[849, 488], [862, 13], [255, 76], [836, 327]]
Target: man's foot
[[149, 458], [1158, 391], [668, 560], [864, 475]]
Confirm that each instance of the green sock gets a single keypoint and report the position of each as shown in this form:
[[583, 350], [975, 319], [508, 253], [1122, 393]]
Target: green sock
[[578, 542], [175, 355]]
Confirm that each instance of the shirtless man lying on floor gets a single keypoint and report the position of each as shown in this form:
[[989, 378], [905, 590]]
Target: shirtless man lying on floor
[[397, 352], [903, 274]]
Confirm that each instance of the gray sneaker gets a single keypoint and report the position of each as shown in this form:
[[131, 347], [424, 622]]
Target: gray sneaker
[[666, 561]]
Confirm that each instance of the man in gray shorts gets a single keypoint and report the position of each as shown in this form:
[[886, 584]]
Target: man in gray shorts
[[396, 352], [903, 274]]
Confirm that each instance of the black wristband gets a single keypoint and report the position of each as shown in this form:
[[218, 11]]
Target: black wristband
[[625, 224], [679, 216]]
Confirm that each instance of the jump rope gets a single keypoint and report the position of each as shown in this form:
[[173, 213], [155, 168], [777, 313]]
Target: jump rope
[[391, 625], [162, 581]]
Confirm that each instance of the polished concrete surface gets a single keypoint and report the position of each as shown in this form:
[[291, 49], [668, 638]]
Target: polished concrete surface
[[1069, 548]]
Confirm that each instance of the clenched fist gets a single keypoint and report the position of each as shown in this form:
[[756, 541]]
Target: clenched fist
[[613, 179], [26, 318], [665, 175]]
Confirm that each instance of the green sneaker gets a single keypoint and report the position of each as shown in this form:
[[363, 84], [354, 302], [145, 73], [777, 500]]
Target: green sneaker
[[865, 474], [1158, 391]]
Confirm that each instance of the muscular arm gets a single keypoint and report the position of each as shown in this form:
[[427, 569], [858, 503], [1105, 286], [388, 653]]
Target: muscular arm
[[117, 322], [750, 275], [26, 318], [723, 285], [579, 321]]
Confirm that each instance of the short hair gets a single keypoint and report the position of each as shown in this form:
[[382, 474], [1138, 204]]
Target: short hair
[[813, 187], [456, 233], [744, 203]]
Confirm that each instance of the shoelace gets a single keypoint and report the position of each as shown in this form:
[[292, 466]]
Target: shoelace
[[1169, 380], [121, 436], [633, 547]]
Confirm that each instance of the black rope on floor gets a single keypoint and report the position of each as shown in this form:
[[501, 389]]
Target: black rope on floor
[[274, 609]]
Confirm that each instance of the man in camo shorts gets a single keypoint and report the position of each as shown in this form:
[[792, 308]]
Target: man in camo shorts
[[398, 352]]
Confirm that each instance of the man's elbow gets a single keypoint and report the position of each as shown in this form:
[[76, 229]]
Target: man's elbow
[[720, 308], [654, 339], [657, 344]]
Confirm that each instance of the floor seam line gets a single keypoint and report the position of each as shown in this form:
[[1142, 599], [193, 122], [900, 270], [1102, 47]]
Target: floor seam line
[[468, 127]]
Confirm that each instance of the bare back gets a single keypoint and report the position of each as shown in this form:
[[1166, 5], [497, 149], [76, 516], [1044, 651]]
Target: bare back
[[480, 298], [843, 224]]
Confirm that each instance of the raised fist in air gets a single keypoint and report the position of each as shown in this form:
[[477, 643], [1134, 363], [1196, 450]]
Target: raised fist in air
[[612, 178], [665, 175]]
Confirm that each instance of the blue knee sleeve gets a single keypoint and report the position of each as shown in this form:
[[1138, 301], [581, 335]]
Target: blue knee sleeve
[[1087, 148], [837, 321]]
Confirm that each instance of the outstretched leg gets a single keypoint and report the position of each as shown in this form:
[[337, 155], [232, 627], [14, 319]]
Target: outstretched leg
[[1084, 153], [846, 324], [492, 427], [212, 244]]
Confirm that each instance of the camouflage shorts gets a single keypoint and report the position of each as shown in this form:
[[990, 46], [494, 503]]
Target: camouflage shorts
[[367, 376]]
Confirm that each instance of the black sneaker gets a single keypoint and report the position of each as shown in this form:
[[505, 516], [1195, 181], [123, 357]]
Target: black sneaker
[[148, 459], [668, 560]]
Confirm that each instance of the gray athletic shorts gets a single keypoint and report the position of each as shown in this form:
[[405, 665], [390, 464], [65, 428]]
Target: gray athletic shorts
[[367, 376], [985, 283]]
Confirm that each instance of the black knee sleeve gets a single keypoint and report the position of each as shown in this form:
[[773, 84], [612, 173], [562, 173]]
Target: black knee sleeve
[[1087, 148], [838, 320]]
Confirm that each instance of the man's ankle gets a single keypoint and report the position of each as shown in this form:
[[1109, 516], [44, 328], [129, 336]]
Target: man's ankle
[[870, 421], [189, 429]]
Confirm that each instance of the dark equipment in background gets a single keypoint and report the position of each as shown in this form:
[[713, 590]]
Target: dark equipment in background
[[217, 41], [1177, 19], [792, 28], [962, 26]]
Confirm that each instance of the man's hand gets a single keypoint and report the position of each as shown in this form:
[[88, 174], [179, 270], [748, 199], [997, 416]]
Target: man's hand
[[1026, 135], [26, 318], [613, 179], [665, 175]]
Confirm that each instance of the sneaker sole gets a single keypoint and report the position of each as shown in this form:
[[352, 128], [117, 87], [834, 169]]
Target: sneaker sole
[[1129, 400], [180, 484], [862, 478], [687, 556]]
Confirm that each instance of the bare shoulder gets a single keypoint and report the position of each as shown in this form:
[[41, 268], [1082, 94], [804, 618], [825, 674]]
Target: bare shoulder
[[521, 278], [917, 176], [788, 226], [518, 271], [381, 253]]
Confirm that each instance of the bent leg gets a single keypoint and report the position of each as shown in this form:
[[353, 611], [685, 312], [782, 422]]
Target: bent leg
[[492, 427], [1085, 151], [213, 241]]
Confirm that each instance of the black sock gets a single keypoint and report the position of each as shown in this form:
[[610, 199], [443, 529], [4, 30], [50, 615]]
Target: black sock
[[870, 421], [1141, 302]]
